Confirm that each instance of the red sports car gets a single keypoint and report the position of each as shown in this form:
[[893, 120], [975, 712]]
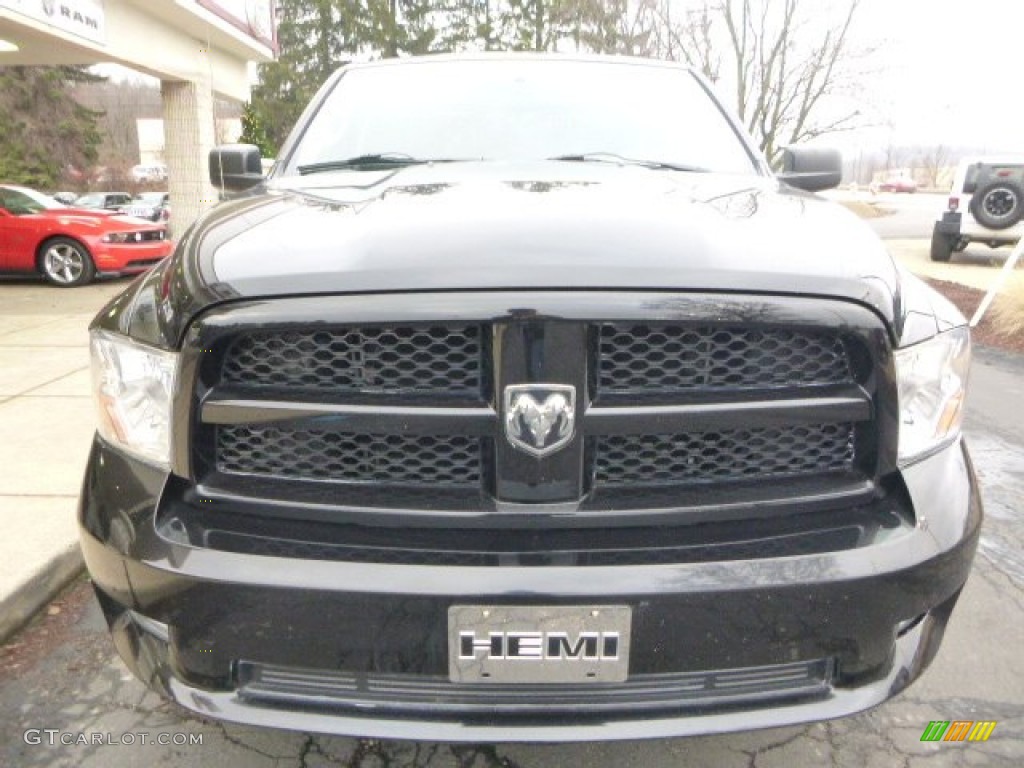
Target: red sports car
[[898, 184], [69, 246]]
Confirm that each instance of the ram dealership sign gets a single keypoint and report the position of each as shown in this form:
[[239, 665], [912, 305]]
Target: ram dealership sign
[[84, 18]]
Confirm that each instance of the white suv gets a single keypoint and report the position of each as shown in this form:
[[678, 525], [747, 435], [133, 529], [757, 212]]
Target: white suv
[[986, 205]]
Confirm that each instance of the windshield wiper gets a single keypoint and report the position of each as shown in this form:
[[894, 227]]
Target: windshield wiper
[[611, 157], [380, 160]]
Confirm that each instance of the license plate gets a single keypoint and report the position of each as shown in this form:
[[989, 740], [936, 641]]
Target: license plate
[[538, 644]]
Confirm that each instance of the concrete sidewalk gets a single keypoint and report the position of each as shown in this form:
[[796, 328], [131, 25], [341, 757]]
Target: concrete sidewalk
[[46, 423]]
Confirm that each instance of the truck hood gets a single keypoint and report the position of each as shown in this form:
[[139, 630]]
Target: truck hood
[[551, 225]]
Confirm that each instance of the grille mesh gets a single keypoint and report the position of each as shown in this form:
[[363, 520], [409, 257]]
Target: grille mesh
[[664, 358], [435, 358], [437, 696], [724, 455], [313, 455]]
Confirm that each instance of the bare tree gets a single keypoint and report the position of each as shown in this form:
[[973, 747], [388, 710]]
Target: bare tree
[[933, 161], [680, 34], [782, 60], [897, 156], [119, 104], [636, 26]]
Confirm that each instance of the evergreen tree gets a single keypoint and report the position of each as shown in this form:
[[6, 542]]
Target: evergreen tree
[[47, 135], [402, 27], [553, 25], [254, 132], [598, 25], [315, 37]]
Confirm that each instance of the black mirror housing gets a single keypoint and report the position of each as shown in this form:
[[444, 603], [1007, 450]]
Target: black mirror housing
[[236, 167], [811, 169]]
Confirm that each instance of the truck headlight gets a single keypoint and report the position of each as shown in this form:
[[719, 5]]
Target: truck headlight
[[932, 378], [133, 386]]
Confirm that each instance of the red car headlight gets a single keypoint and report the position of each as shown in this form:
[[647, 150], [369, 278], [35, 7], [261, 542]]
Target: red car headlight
[[124, 237]]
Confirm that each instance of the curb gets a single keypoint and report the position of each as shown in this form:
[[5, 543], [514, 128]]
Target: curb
[[25, 599]]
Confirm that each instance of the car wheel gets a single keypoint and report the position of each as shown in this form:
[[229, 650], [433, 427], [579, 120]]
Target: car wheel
[[999, 204], [66, 262], [942, 246]]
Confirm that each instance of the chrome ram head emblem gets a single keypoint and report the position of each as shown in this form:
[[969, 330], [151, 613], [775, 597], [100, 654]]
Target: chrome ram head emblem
[[540, 418]]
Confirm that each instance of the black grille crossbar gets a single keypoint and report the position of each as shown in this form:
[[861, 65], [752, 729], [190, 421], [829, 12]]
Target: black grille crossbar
[[367, 419], [848, 405]]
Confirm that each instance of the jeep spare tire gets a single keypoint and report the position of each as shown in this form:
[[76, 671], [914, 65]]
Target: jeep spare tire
[[998, 204]]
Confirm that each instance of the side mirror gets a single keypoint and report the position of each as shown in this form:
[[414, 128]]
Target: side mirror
[[235, 167], [811, 169]]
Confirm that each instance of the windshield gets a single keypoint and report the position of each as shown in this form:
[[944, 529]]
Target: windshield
[[150, 198], [521, 110], [20, 201]]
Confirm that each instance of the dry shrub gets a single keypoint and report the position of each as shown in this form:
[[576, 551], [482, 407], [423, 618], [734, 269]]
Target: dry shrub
[[1008, 308], [865, 210]]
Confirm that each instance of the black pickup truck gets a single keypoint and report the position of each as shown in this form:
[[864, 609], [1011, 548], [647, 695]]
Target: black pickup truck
[[522, 401]]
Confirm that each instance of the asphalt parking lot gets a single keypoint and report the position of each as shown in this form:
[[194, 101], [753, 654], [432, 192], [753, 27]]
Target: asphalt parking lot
[[61, 674]]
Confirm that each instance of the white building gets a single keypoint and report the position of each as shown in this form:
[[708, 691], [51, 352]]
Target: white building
[[153, 143], [197, 48]]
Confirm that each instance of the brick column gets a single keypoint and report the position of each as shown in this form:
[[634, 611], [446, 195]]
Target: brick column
[[189, 135]]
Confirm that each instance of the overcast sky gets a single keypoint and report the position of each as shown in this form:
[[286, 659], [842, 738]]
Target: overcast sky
[[948, 71], [943, 72]]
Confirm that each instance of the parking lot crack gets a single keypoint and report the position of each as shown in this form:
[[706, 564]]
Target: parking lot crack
[[753, 755], [833, 746], [309, 747], [480, 756], [221, 727], [1001, 581]]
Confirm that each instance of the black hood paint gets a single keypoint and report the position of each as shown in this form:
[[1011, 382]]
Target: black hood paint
[[495, 226]]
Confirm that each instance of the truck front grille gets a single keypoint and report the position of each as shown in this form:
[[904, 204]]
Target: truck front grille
[[704, 413]]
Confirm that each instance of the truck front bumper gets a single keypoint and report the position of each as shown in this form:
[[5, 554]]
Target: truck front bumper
[[360, 648]]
